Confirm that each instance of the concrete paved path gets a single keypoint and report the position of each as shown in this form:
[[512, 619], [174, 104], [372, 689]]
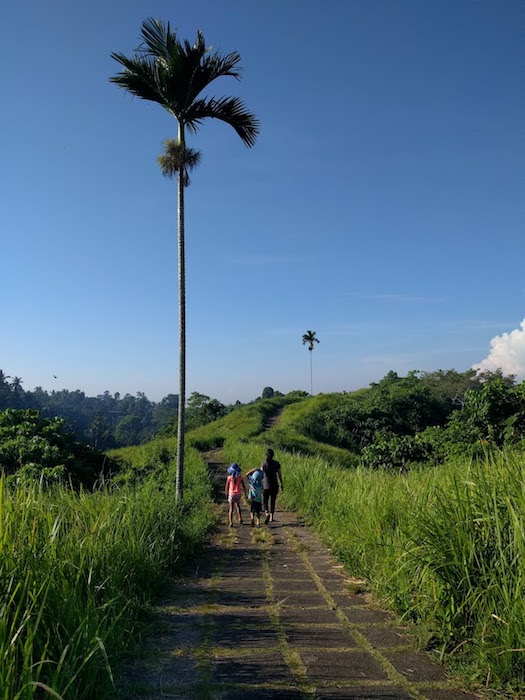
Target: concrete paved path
[[269, 614]]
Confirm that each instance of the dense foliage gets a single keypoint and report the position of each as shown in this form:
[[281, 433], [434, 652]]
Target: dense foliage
[[423, 417], [32, 447]]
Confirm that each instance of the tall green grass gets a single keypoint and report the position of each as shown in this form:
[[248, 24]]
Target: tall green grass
[[443, 546], [76, 569]]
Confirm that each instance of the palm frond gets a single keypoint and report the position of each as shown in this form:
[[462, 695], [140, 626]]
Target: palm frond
[[158, 39], [210, 68], [228, 109], [141, 76]]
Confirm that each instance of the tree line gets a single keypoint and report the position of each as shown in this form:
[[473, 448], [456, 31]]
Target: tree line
[[110, 420]]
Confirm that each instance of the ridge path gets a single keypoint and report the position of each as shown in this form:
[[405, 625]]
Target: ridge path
[[269, 614]]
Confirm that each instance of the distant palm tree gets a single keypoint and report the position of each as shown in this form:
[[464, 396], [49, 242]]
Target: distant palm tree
[[17, 391], [174, 73], [5, 389], [16, 384], [309, 337]]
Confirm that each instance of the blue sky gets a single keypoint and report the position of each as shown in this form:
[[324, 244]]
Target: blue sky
[[382, 205]]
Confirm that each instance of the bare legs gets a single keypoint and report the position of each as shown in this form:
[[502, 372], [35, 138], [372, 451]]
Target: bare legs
[[237, 505]]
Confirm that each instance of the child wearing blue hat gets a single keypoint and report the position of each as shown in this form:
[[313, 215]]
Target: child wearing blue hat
[[232, 490], [255, 495]]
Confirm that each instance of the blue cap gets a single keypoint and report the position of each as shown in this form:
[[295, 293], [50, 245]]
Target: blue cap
[[234, 469]]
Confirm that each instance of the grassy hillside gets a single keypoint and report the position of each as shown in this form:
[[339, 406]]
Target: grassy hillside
[[244, 423]]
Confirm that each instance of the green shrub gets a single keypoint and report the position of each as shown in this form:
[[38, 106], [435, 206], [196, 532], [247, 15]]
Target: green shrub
[[34, 447]]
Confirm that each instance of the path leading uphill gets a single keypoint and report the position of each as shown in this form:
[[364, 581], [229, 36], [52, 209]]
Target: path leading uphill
[[269, 614]]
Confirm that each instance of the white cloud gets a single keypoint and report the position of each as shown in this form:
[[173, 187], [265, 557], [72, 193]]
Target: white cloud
[[507, 351]]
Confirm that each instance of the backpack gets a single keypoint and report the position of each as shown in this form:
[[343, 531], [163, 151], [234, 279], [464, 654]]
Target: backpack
[[256, 485]]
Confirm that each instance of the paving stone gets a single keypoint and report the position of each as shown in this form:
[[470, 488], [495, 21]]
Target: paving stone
[[252, 585], [249, 600], [186, 693], [172, 621], [342, 666], [257, 694], [244, 637], [416, 666], [185, 637], [387, 692], [233, 575], [384, 637], [302, 600], [322, 560], [283, 571], [448, 694], [241, 617], [310, 616], [343, 600], [257, 668], [296, 586], [334, 588], [295, 573], [328, 637], [360, 614], [243, 573], [286, 558], [330, 575], [162, 672], [190, 600]]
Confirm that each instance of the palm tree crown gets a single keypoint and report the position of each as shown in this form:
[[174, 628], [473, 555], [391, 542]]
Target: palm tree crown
[[309, 337], [174, 73]]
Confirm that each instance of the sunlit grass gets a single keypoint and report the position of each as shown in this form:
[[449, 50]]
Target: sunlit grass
[[76, 568], [443, 546]]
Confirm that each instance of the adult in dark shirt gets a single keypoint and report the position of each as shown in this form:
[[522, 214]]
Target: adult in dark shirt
[[272, 477]]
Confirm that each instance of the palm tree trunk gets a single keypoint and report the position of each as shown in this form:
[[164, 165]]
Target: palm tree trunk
[[182, 327], [311, 376]]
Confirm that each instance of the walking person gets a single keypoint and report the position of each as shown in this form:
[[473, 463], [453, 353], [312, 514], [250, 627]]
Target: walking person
[[232, 489], [255, 495], [272, 477]]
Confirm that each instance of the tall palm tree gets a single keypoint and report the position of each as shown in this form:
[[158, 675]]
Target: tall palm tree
[[309, 337], [174, 73]]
